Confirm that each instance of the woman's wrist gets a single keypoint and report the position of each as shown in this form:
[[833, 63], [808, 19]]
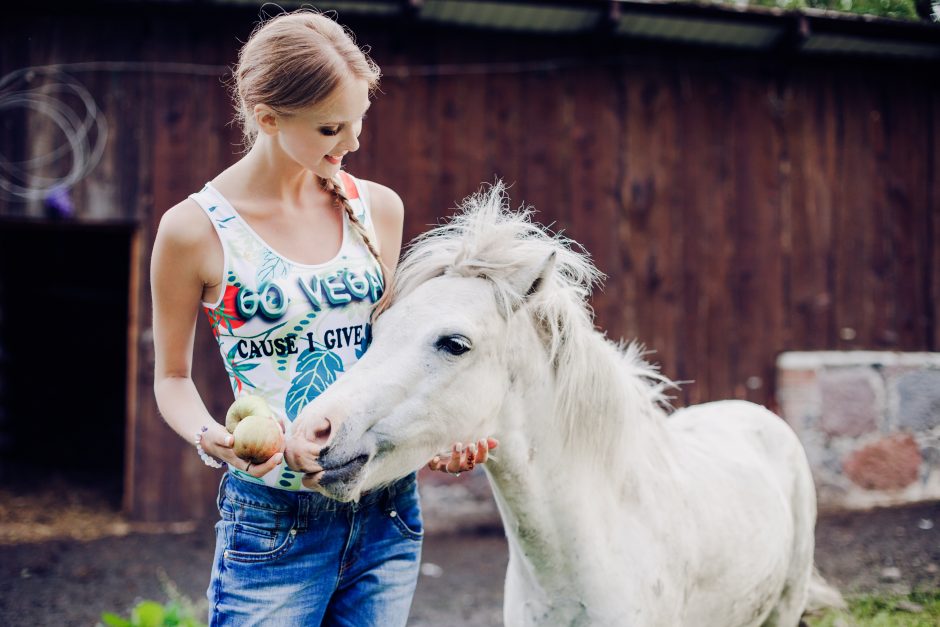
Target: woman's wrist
[[207, 459]]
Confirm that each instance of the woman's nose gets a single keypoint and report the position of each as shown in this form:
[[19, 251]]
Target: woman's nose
[[351, 141]]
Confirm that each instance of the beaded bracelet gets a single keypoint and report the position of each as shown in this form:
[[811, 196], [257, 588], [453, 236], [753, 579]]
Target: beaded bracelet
[[205, 457]]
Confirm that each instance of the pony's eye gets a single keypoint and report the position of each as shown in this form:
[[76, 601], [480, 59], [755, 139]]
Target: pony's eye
[[453, 344]]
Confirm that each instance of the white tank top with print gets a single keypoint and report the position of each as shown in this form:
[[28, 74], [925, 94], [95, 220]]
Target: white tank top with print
[[287, 330]]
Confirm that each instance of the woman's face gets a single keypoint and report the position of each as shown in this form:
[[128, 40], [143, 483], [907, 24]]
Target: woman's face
[[318, 137]]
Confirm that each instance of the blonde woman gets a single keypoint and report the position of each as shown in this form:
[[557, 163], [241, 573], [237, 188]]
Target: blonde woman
[[287, 255]]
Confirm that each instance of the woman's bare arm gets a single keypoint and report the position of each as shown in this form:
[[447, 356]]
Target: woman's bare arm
[[179, 272]]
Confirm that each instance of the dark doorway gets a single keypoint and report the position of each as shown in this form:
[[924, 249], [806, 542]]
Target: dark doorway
[[63, 353]]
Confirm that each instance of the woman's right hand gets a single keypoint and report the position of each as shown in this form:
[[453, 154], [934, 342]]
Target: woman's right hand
[[218, 443]]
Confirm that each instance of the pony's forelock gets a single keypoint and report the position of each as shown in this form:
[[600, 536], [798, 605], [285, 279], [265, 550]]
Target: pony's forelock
[[487, 239]]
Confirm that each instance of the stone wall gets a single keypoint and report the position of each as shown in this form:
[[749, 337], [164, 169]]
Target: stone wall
[[870, 423]]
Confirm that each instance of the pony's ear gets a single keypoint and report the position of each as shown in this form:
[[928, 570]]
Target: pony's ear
[[530, 281]]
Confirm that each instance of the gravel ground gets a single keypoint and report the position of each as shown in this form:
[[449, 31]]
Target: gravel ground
[[50, 577]]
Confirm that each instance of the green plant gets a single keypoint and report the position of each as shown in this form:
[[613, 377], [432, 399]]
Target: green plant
[[153, 614], [178, 611], [918, 609]]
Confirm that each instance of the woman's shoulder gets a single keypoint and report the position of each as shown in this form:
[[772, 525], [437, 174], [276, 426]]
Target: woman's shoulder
[[186, 224], [186, 243], [385, 203]]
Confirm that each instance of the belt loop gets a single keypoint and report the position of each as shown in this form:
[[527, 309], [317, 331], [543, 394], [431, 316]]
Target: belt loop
[[389, 495], [303, 511]]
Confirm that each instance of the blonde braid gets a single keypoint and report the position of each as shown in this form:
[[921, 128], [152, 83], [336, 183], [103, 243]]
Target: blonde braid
[[342, 201]]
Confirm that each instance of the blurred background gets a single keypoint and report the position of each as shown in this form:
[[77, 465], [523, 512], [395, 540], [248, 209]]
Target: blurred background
[[758, 181]]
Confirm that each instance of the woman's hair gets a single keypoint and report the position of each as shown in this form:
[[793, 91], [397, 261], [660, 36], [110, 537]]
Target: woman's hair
[[340, 199], [293, 61]]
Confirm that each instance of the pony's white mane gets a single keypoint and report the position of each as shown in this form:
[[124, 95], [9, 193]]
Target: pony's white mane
[[487, 239]]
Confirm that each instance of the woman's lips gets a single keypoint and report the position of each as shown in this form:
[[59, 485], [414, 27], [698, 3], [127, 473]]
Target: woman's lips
[[334, 160]]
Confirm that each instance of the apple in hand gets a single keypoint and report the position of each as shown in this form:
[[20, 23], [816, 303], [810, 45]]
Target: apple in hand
[[257, 434], [257, 439], [244, 406]]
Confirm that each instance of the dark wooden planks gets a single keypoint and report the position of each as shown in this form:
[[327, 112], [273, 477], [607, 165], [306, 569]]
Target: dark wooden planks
[[932, 223], [739, 209]]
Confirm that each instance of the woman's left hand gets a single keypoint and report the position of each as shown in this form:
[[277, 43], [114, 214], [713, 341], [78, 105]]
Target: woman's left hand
[[463, 459]]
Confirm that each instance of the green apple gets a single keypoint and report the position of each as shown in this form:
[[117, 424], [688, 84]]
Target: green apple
[[244, 406], [257, 438]]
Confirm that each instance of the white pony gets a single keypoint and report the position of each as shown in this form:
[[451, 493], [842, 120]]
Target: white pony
[[615, 513]]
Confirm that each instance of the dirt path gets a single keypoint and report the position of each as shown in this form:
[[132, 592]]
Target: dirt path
[[70, 582]]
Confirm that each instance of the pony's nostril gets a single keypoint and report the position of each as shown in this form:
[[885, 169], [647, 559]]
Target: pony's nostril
[[321, 431]]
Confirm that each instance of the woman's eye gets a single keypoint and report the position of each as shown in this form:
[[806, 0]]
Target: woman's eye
[[329, 132], [453, 344]]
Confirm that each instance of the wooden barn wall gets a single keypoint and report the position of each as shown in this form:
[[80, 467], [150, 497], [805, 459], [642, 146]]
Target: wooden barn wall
[[739, 206]]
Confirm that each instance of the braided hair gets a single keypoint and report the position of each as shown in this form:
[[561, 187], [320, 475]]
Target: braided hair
[[341, 201]]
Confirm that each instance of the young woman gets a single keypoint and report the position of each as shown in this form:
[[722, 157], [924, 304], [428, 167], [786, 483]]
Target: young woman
[[288, 255]]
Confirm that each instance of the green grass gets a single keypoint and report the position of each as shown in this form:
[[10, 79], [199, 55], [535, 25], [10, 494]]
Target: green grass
[[883, 611]]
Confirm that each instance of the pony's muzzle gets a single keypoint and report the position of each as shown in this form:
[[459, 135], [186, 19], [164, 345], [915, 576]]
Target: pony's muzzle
[[344, 473]]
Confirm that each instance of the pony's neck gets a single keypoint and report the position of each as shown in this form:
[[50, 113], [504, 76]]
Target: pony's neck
[[577, 439], [592, 414], [605, 408], [592, 406]]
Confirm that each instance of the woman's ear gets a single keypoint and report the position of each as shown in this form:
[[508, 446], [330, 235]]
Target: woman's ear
[[266, 119]]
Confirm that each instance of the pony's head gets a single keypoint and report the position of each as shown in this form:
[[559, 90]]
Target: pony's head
[[481, 305]]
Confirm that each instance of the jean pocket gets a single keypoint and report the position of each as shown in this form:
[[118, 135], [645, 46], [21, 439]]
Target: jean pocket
[[406, 512], [255, 533], [252, 552]]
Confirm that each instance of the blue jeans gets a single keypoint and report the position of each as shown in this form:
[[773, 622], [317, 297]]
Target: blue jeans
[[299, 558]]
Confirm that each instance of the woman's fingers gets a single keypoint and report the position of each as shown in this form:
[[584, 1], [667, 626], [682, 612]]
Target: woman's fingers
[[463, 459], [302, 455], [221, 437], [456, 458], [217, 442], [470, 457], [260, 470], [482, 451]]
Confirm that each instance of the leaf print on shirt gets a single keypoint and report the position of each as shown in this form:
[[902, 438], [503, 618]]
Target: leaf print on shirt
[[272, 267], [235, 371], [226, 314], [316, 370]]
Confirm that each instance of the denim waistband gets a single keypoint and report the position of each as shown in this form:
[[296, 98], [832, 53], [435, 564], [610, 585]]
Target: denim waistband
[[307, 504]]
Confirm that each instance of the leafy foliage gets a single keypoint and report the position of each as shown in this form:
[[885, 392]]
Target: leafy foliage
[[153, 614], [897, 9], [886, 611]]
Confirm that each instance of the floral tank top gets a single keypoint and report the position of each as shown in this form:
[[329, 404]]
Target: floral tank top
[[287, 330]]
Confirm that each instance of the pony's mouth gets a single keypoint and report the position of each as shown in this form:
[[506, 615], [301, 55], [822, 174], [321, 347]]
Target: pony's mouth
[[341, 474]]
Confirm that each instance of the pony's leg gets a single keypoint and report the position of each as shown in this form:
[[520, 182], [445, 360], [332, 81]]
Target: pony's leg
[[792, 604]]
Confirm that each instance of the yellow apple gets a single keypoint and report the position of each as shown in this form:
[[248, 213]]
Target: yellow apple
[[257, 438], [244, 406]]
